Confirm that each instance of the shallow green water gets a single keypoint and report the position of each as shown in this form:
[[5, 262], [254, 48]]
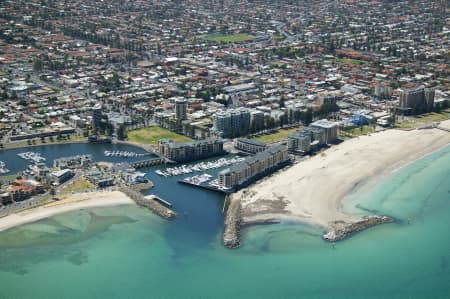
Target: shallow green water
[[126, 252]]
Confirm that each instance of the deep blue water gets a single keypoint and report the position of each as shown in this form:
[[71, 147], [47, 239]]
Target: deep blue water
[[127, 252]]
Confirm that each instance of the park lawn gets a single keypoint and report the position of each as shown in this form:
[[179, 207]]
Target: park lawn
[[407, 124], [432, 117], [349, 61], [229, 38], [151, 135], [278, 37], [80, 184], [281, 134], [8, 178], [422, 120], [45, 199], [364, 130]]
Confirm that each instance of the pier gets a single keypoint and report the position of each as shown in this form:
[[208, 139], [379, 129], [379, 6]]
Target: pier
[[148, 163]]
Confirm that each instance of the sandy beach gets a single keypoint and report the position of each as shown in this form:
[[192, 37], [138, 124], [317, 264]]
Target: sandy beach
[[312, 190], [68, 203]]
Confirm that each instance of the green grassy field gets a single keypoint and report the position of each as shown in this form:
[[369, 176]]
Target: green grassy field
[[278, 37], [349, 61], [151, 135], [422, 120], [357, 131], [80, 184], [229, 38], [278, 136]]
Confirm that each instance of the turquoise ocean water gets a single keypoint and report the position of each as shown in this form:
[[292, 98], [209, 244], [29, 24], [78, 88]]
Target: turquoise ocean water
[[126, 252]]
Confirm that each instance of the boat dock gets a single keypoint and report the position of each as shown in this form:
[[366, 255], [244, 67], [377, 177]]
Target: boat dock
[[3, 169], [148, 163], [154, 197], [123, 154], [205, 185], [198, 167]]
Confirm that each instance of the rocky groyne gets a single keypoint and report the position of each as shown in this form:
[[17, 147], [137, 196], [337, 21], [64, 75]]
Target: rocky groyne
[[339, 230], [232, 233], [149, 203], [142, 186]]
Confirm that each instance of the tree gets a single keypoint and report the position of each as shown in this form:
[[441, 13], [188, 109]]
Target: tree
[[109, 129], [282, 101], [23, 103], [308, 116], [38, 65], [121, 132]]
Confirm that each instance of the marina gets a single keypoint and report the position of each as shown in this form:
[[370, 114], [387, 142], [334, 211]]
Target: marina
[[204, 181], [122, 154], [32, 157], [198, 179], [202, 166], [3, 169]]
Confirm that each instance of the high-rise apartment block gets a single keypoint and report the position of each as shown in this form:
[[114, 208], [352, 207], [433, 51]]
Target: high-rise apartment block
[[414, 98], [232, 123], [181, 109]]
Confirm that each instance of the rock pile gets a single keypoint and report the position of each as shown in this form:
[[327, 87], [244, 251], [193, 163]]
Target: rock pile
[[340, 229]]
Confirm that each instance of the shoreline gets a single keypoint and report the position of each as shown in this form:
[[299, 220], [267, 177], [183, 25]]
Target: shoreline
[[344, 170], [69, 203], [6, 148]]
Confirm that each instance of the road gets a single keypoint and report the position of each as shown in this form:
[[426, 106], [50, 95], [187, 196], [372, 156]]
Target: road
[[34, 201]]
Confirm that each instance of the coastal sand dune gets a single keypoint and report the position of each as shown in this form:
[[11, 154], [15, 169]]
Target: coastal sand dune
[[68, 203], [312, 190]]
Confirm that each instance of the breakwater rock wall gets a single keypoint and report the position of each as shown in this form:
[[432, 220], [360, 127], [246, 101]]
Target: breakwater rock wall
[[232, 233], [151, 204], [142, 186], [339, 230]]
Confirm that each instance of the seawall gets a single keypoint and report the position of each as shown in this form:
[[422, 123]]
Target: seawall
[[339, 230], [232, 233], [150, 204]]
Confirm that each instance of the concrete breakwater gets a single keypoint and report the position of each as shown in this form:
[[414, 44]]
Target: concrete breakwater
[[339, 230], [151, 204], [232, 233]]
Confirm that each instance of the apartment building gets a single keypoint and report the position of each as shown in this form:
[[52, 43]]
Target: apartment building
[[249, 146], [243, 173], [232, 122], [190, 151]]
